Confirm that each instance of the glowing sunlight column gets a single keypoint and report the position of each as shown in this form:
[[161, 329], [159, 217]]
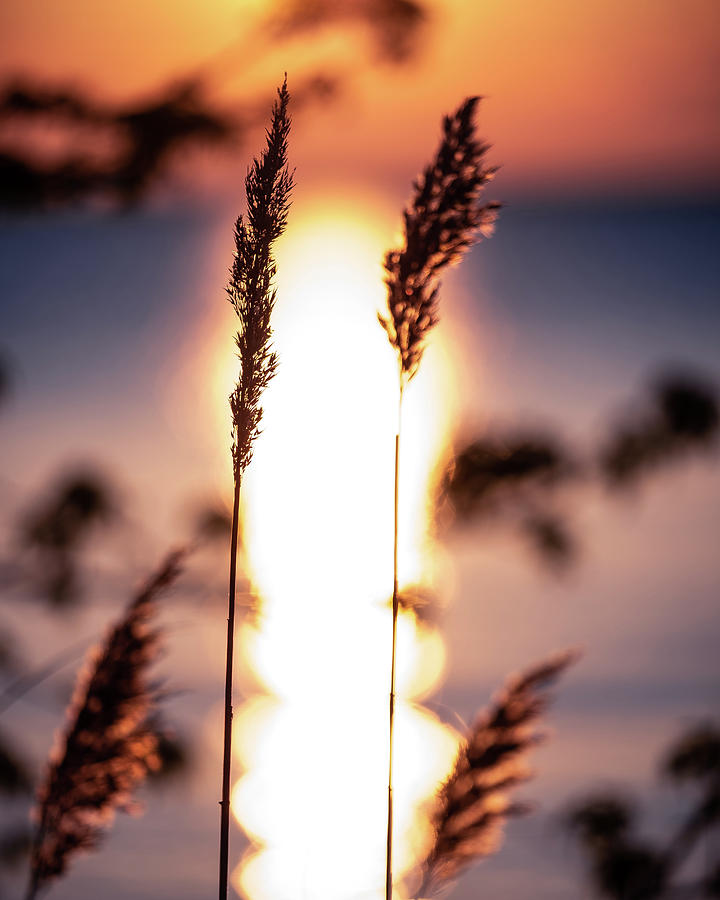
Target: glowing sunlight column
[[319, 532]]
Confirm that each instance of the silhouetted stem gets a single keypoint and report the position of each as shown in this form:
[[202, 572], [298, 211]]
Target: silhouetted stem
[[227, 742], [388, 858]]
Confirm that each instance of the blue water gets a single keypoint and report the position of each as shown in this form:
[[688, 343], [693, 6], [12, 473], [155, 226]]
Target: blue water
[[572, 309]]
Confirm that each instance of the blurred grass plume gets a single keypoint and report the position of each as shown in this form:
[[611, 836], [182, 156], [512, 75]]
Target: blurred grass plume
[[109, 744], [472, 805]]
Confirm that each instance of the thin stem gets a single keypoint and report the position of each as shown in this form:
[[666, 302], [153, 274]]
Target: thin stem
[[227, 742], [34, 875], [23, 684], [388, 857]]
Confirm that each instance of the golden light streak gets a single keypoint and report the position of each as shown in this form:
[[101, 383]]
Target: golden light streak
[[318, 525]]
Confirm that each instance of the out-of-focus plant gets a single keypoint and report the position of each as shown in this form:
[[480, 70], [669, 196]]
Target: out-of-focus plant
[[678, 417], [473, 805], [109, 744], [14, 775], [146, 135], [57, 528], [625, 866], [397, 25], [524, 480], [212, 523]]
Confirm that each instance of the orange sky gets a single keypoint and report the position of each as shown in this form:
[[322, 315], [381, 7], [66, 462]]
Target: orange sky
[[602, 95]]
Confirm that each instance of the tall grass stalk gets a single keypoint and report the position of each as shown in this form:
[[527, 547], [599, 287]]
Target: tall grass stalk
[[268, 185], [444, 218]]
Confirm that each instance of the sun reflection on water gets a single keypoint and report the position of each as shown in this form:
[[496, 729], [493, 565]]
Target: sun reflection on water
[[318, 526]]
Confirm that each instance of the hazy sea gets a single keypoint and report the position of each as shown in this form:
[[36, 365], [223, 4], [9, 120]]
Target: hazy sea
[[570, 310]]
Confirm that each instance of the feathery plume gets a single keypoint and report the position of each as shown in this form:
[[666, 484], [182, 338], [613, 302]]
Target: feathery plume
[[268, 186], [109, 745], [444, 219], [472, 804]]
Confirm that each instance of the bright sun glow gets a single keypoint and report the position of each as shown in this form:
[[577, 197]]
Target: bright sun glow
[[318, 526]]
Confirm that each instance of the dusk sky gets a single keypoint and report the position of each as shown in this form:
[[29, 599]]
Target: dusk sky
[[603, 272]]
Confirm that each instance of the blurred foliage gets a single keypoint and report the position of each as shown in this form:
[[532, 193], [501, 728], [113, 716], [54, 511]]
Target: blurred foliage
[[526, 481], [396, 25], [551, 538], [492, 471], [602, 819], [174, 755], [15, 847], [76, 504], [14, 775], [696, 755], [622, 866], [512, 480], [212, 523], [145, 136], [679, 415], [420, 601], [58, 526]]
